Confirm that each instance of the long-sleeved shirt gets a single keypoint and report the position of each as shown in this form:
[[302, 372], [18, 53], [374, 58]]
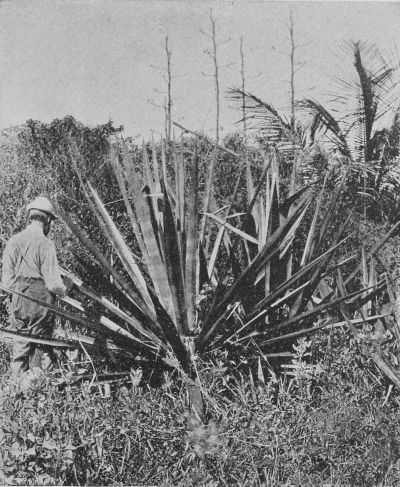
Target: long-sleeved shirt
[[31, 254]]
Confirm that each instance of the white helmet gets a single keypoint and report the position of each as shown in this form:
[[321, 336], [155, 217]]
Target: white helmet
[[41, 203]]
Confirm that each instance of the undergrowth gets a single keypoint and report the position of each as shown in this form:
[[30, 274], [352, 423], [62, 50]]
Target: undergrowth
[[332, 423]]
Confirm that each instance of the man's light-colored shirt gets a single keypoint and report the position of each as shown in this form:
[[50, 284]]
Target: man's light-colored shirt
[[31, 254]]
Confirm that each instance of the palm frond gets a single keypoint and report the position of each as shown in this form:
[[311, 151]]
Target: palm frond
[[266, 120], [325, 126]]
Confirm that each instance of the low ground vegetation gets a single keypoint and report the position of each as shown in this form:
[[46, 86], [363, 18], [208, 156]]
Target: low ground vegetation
[[332, 423]]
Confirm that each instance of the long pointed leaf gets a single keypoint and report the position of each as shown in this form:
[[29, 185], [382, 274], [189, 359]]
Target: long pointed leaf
[[386, 368], [147, 174], [277, 303], [269, 301], [103, 320], [313, 329], [174, 267], [192, 241], [270, 248], [309, 246], [318, 309], [215, 250], [24, 337], [123, 251], [208, 193], [256, 193], [121, 183], [155, 242], [227, 225], [128, 344], [131, 294], [130, 320], [174, 338], [154, 254], [374, 250], [156, 171]]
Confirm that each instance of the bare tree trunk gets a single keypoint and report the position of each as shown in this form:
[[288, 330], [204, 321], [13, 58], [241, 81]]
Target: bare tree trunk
[[292, 50], [216, 78], [250, 189], [243, 91], [289, 265], [249, 179], [169, 97], [209, 187], [292, 102]]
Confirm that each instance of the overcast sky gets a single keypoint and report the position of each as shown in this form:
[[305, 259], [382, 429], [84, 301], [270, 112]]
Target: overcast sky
[[101, 60]]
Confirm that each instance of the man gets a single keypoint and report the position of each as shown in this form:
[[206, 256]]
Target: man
[[30, 266]]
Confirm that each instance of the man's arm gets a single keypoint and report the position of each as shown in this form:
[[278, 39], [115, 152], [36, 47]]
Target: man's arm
[[50, 271], [7, 275]]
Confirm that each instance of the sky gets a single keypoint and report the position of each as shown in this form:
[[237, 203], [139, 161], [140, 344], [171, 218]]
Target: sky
[[102, 60]]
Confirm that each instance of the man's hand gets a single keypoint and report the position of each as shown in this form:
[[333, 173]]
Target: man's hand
[[68, 283]]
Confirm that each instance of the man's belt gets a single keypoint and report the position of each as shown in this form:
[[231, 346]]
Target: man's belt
[[30, 279]]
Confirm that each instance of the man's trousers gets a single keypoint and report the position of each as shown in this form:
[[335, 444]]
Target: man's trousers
[[31, 318]]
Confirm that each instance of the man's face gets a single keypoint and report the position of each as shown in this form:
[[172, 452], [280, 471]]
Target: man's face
[[47, 226]]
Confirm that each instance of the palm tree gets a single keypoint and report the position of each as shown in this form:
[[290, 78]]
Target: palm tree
[[359, 137], [357, 142]]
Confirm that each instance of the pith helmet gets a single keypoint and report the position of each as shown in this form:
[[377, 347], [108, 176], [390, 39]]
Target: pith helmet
[[42, 203]]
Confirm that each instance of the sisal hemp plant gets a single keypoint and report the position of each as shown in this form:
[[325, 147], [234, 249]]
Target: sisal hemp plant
[[255, 309]]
